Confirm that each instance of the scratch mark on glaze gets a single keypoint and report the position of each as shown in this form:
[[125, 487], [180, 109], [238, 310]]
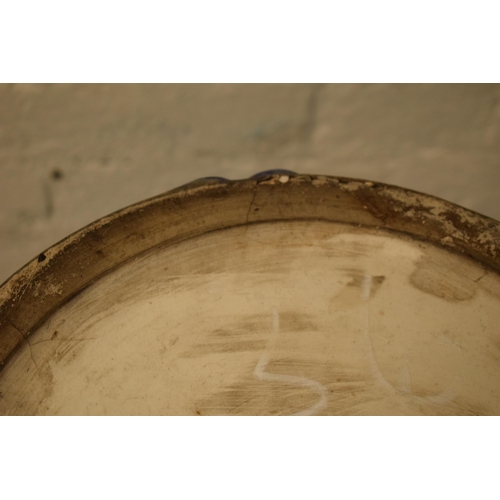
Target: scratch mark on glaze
[[28, 284], [261, 374]]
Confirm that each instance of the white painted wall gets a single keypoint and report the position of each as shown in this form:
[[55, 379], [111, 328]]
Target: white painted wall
[[70, 154]]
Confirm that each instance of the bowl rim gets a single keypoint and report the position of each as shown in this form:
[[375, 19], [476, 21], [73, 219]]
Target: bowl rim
[[66, 268]]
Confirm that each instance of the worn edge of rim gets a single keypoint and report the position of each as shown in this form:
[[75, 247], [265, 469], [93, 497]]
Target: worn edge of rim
[[390, 207]]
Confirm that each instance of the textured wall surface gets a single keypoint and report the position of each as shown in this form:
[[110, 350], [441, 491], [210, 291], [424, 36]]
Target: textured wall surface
[[70, 154]]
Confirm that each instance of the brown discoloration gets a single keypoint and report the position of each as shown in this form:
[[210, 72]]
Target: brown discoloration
[[443, 406], [351, 294], [44, 285], [291, 321], [374, 205], [10, 340], [490, 283], [73, 264], [334, 377], [245, 325], [431, 218], [251, 396], [351, 250], [437, 279], [358, 277], [57, 174], [67, 347], [251, 333], [225, 347], [32, 399], [265, 398]]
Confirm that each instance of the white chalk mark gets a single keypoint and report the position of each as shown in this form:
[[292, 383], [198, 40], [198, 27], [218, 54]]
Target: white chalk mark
[[377, 373], [261, 374], [367, 286], [318, 388], [443, 398]]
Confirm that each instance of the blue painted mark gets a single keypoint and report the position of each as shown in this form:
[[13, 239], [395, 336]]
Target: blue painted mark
[[201, 182], [221, 179], [278, 171]]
